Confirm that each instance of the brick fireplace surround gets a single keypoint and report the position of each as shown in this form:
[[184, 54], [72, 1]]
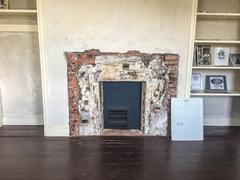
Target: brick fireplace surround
[[86, 70]]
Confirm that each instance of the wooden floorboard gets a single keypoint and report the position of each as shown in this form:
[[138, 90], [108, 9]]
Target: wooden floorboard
[[119, 158], [36, 131], [21, 131]]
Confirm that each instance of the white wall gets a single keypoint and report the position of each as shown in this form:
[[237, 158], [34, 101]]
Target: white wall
[[109, 25]]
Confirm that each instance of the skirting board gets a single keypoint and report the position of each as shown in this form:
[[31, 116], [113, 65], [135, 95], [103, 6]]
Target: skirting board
[[56, 131], [221, 121], [1, 120], [14, 119]]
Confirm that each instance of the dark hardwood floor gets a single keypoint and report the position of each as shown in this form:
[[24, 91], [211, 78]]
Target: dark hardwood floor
[[219, 131], [21, 131], [121, 158]]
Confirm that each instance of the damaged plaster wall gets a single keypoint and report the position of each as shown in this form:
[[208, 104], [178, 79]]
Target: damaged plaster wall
[[151, 26], [122, 68], [1, 113], [20, 79]]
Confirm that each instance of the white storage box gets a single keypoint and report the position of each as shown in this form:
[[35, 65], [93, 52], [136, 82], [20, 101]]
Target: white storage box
[[187, 119]]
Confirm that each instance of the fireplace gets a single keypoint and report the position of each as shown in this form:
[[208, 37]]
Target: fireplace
[[122, 105], [91, 73]]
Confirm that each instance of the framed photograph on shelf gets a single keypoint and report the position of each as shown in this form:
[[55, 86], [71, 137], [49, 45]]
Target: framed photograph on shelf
[[203, 55], [235, 59], [196, 85], [216, 83], [3, 4], [221, 56]]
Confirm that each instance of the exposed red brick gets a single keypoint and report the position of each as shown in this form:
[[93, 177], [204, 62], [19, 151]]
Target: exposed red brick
[[93, 52], [71, 117], [72, 82], [71, 74], [171, 57], [72, 56], [86, 60], [133, 53], [70, 93]]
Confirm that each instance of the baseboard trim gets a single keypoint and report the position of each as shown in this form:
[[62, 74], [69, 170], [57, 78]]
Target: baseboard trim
[[56, 131], [15, 119], [1, 121], [221, 121]]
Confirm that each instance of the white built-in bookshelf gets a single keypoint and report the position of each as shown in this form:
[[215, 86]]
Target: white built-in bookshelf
[[217, 24], [18, 20]]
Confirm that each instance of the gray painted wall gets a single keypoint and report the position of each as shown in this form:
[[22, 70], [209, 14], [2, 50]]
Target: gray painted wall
[[20, 79], [1, 114]]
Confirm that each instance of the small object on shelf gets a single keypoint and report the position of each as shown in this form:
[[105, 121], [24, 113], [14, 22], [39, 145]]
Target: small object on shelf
[[216, 84], [3, 4], [203, 55], [195, 56], [221, 56], [235, 59], [196, 85]]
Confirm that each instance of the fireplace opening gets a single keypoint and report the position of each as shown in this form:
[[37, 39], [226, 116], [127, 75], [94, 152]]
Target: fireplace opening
[[122, 105]]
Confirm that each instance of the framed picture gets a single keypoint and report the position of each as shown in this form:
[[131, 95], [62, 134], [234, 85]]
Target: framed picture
[[221, 56], [216, 83], [196, 82], [235, 59], [203, 55], [3, 4]]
